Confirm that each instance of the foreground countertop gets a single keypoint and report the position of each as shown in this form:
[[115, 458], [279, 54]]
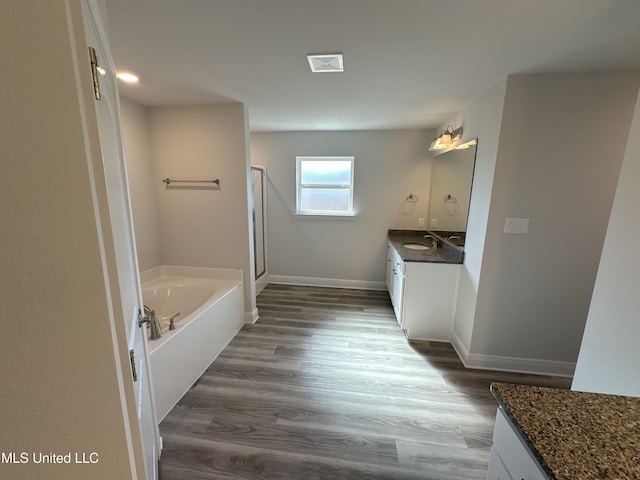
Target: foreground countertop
[[576, 435], [445, 253]]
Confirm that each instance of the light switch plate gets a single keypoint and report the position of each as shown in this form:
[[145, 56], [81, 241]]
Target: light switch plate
[[516, 225]]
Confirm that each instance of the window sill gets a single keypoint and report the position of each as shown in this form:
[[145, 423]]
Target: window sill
[[330, 216]]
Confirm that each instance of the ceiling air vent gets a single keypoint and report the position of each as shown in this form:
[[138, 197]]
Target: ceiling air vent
[[328, 62]]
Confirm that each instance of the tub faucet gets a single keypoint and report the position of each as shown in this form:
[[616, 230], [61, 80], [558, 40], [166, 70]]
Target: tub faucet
[[172, 322], [156, 329]]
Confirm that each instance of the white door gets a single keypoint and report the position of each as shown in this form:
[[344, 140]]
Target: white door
[[124, 240]]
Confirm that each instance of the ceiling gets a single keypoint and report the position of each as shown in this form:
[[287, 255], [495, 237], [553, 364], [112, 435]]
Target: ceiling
[[407, 63]]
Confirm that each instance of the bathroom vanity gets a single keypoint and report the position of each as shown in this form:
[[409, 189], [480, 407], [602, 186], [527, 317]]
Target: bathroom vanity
[[422, 282], [548, 433]]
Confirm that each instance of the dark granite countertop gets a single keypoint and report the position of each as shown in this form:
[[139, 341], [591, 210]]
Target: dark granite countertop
[[576, 435], [446, 252]]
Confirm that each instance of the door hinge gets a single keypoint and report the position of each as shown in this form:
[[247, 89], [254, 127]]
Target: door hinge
[[94, 72], [134, 372]]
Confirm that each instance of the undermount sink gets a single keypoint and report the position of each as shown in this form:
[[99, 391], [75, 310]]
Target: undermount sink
[[415, 246]]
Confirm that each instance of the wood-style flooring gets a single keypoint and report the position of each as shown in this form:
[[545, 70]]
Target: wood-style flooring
[[326, 386]]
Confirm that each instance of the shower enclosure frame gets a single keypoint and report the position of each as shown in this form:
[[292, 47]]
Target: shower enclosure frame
[[259, 215]]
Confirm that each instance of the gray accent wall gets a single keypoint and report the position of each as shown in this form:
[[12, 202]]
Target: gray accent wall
[[188, 224], [142, 179], [559, 150], [389, 166], [202, 226]]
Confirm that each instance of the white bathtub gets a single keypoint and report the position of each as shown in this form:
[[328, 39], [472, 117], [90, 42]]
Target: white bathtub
[[210, 304]]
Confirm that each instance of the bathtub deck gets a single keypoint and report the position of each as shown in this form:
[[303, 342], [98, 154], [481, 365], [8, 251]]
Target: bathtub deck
[[325, 386]]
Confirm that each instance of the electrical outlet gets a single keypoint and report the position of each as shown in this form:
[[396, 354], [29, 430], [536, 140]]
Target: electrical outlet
[[421, 222], [434, 222]]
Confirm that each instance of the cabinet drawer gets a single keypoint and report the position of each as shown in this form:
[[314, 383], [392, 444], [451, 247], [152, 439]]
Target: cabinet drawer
[[497, 470], [515, 455]]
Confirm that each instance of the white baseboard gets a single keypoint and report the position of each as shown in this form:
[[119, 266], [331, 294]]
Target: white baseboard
[[534, 366], [431, 339], [460, 348], [251, 317], [327, 282]]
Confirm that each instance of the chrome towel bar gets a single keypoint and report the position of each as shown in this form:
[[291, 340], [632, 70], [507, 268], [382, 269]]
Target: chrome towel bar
[[169, 181]]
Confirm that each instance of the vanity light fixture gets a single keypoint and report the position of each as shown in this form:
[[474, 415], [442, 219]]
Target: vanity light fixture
[[447, 139], [466, 145]]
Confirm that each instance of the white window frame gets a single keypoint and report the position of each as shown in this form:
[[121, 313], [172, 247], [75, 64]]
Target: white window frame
[[300, 187]]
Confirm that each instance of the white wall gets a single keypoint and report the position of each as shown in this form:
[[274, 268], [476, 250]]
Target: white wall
[[142, 183], [481, 119], [389, 165], [534, 290], [207, 227], [609, 360]]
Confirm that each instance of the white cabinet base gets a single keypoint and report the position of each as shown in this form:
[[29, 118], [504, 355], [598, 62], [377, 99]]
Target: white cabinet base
[[423, 296], [497, 470], [511, 455], [429, 300]]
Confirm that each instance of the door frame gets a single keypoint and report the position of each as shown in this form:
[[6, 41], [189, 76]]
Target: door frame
[[77, 23]]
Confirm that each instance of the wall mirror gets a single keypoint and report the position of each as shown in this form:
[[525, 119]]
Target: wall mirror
[[451, 179]]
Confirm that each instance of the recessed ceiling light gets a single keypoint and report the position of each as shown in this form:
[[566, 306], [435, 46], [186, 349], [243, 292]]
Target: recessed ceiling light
[[127, 77], [327, 62]]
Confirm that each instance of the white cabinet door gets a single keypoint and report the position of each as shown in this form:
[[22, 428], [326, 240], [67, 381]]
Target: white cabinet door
[[430, 294], [389, 277], [395, 280], [514, 454], [398, 294], [497, 470]]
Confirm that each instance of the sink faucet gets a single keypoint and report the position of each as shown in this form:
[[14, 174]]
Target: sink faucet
[[434, 241], [156, 329]]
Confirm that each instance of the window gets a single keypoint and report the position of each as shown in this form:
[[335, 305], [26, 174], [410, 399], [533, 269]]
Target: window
[[324, 186]]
